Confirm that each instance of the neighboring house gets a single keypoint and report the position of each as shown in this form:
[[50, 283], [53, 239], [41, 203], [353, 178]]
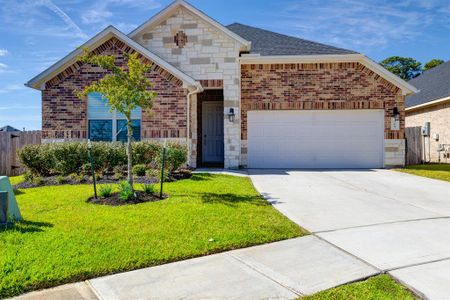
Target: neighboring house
[[432, 104], [8, 128], [238, 96]]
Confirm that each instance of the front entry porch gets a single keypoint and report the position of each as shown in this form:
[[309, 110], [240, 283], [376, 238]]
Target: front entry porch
[[210, 129]]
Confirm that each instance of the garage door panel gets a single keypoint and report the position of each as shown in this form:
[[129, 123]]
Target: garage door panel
[[315, 139]]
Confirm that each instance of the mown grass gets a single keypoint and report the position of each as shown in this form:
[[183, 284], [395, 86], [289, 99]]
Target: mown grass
[[381, 287], [65, 239], [435, 171], [16, 179]]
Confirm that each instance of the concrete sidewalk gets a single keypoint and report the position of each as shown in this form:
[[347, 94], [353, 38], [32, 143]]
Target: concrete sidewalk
[[281, 270]]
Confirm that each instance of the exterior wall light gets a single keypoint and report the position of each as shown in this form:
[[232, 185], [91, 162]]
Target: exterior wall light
[[395, 120], [230, 112]]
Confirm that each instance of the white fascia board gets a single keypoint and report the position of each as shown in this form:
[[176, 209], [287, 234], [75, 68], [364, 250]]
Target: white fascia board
[[333, 58], [431, 103], [38, 82], [163, 14]]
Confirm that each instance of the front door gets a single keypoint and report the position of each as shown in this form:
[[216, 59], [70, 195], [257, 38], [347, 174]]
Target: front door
[[212, 132]]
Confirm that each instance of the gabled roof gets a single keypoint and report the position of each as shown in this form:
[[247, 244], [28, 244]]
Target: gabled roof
[[8, 128], [434, 84], [39, 81], [166, 12], [267, 43]]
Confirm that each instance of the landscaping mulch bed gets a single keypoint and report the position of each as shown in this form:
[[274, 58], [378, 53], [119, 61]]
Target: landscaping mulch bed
[[114, 200]]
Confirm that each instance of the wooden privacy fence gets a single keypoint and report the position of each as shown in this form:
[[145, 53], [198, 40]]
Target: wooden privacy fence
[[10, 142], [414, 145]]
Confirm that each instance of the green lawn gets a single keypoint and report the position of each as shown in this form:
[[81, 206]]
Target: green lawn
[[436, 171], [381, 287], [65, 239], [16, 179]]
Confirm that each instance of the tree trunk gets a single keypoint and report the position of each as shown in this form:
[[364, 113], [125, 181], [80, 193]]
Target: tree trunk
[[129, 156]]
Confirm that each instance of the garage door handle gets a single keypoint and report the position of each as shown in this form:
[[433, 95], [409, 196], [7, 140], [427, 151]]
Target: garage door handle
[[204, 139]]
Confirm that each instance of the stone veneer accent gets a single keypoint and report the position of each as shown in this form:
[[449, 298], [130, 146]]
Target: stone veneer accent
[[64, 116], [208, 55], [321, 86], [439, 118]]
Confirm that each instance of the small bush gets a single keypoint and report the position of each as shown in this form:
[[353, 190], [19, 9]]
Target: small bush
[[77, 177], [146, 153], [139, 170], [156, 173], [176, 156], [37, 159], [148, 188], [67, 158], [125, 190], [105, 191], [85, 169], [28, 176], [60, 179], [38, 180]]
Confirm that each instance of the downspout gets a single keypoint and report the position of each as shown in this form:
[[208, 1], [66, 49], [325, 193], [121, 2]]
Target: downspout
[[198, 89]]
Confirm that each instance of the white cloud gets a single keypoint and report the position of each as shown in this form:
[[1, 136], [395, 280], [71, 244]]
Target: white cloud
[[64, 17], [360, 24], [39, 17], [12, 88], [3, 52], [100, 13], [95, 16]]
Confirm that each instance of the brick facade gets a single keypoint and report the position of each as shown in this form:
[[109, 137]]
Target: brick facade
[[320, 86], [64, 115], [317, 87]]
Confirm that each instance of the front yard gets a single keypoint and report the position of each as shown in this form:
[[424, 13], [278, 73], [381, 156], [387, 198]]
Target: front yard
[[435, 171], [65, 239]]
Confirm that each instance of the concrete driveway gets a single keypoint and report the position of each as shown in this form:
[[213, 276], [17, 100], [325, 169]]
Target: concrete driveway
[[398, 223]]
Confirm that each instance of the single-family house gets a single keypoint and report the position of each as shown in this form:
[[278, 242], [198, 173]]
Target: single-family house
[[432, 104], [237, 95]]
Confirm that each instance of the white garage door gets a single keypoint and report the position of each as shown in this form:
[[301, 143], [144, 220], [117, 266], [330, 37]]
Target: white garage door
[[316, 139]]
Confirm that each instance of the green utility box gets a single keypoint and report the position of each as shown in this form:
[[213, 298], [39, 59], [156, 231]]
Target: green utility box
[[11, 207]]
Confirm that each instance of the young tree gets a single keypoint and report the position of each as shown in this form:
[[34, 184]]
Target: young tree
[[433, 63], [404, 67], [125, 89]]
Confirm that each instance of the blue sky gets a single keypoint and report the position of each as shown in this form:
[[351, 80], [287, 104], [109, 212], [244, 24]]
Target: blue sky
[[36, 33]]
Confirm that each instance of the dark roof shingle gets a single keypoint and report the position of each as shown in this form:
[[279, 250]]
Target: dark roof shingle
[[433, 84], [267, 43], [8, 128]]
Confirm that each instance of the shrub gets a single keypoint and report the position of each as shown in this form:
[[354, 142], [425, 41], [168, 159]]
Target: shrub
[[105, 191], [125, 190], [68, 158], [77, 177], [156, 173], [38, 180], [28, 176], [146, 153], [60, 179], [139, 170], [85, 169], [37, 159], [148, 188], [176, 156]]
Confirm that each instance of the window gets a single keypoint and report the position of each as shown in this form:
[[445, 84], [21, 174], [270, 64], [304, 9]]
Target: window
[[107, 126]]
